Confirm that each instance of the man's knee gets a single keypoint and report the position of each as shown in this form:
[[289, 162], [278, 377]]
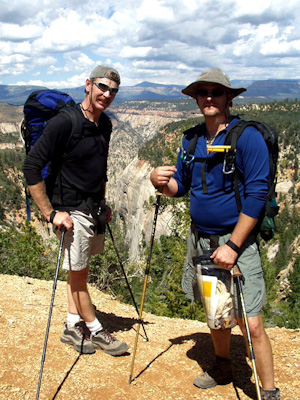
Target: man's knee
[[256, 327], [78, 277]]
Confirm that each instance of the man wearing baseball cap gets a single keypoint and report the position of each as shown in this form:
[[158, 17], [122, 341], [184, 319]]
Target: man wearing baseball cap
[[75, 200], [215, 218]]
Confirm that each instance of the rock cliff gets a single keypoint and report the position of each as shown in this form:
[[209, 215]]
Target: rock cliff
[[129, 187], [133, 192]]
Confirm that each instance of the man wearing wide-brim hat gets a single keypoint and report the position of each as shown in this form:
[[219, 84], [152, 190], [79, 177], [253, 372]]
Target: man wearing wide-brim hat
[[216, 221], [212, 76]]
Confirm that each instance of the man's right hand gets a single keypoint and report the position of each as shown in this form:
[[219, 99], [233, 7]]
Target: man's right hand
[[61, 219], [161, 175]]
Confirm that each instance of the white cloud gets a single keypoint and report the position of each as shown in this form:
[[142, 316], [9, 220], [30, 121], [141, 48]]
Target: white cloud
[[255, 7], [168, 41], [135, 52], [13, 32], [258, 8], [281, 48], [155, 10], [13, 59], [66, 33]]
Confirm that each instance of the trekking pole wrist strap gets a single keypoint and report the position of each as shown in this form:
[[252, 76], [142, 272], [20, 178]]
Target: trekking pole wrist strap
[[52, 216], [233, 246]]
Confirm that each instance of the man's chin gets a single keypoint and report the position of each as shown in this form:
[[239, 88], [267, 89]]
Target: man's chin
[[101, 106], [211, 112]]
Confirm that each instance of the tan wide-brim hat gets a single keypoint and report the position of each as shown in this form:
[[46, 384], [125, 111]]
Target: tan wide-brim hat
[[214, 75]]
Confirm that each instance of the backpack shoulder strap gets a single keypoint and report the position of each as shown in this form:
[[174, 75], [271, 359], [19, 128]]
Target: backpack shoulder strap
[[229, 167], [188, 156], [76, 121], [234, 132]]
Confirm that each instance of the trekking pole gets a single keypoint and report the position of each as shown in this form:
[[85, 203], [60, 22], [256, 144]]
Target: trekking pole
[[124, 273], [145, 283], [237, 276], [63, 231]]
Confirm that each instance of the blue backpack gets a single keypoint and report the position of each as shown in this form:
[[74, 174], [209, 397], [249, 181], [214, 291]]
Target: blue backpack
[[38, 109]]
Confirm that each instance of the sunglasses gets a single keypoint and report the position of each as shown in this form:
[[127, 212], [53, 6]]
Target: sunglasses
[[210, 93], [104, 88]]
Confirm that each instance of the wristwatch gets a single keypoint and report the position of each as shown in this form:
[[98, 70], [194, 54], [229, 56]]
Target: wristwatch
[[233, 246], [52, 216]]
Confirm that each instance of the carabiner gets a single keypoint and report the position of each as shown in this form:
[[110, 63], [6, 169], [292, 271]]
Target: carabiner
[[187, 162], [232, 169]]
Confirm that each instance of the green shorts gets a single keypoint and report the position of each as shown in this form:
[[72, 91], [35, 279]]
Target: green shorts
[[249, 262], [81, 242]]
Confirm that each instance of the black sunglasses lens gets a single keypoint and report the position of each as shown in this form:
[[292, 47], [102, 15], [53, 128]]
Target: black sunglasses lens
[[217, 92], [213, 93], [202, 93], [104, 88]]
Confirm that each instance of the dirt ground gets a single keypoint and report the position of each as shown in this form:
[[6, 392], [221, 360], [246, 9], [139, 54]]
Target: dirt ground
[[164, 367]]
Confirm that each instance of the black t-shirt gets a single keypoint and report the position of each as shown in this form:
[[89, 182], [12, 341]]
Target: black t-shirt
[[78, 166]]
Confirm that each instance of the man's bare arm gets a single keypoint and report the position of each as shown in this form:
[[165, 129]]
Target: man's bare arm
[[39, 195], [225, 256], [162, 179]]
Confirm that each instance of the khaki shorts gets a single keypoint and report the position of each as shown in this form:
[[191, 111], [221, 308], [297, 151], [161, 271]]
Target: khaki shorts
[[253, 286], [81, 242]]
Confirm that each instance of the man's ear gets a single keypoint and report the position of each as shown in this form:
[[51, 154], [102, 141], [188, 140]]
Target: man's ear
[[229, 99], [88, 86]]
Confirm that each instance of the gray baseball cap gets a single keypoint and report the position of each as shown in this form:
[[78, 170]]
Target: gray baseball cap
[[104, 71], [214, 75]]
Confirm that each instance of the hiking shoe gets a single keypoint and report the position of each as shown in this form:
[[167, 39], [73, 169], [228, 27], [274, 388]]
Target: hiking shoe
[[270, 394], [219, 374], [105, 341], [79, 338]]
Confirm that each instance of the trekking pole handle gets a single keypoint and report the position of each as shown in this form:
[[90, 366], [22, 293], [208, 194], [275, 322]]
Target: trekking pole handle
[[160, 190], [236, 272]]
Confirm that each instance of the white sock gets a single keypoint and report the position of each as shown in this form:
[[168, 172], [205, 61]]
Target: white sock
[[72, 319], [94, 326]]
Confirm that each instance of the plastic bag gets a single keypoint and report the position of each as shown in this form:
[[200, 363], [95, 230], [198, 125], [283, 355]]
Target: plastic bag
[[216, 289]]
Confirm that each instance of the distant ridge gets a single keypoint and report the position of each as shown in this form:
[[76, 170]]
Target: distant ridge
[[263, 90], [275, 88], [147, 84]]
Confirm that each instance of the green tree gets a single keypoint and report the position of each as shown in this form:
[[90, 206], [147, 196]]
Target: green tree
[[25, 254], [293, 299]]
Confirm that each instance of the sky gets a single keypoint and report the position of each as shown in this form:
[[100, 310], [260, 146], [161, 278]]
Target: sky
[[56, 43]]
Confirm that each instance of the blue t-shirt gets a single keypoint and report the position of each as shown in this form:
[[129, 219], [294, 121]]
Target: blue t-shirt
[[216, 211]]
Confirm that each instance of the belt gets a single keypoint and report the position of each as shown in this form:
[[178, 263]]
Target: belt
[[214, 238]]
